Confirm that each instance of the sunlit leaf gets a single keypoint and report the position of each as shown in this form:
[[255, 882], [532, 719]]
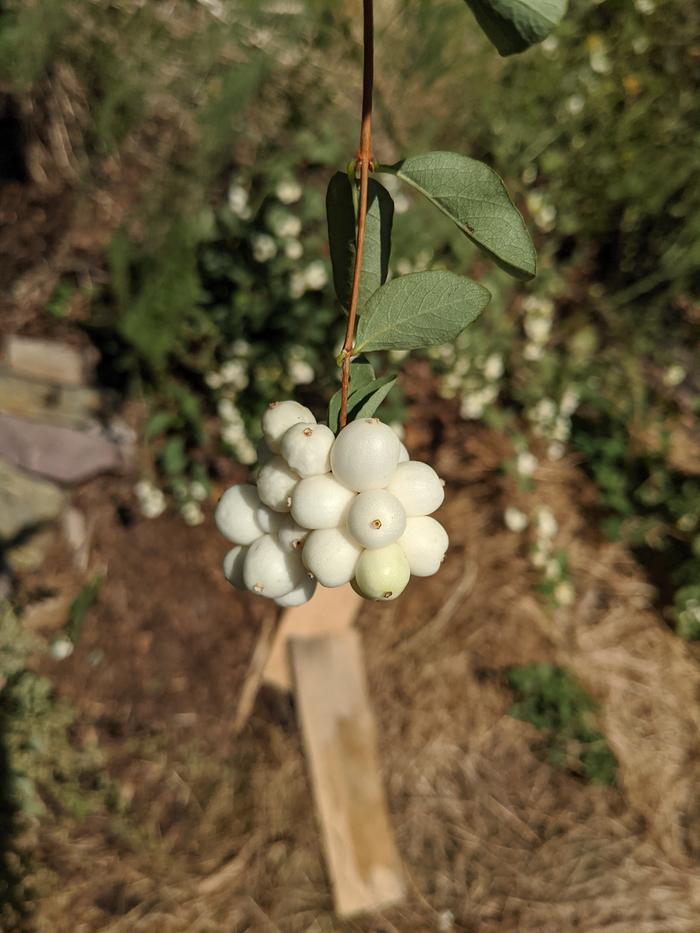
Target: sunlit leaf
[[419, 310], [475, 198], [515, 25]]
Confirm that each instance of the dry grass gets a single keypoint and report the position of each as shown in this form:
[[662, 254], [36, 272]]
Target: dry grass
[[492, 838]]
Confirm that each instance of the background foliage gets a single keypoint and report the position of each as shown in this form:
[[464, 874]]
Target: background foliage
[[215, 296]]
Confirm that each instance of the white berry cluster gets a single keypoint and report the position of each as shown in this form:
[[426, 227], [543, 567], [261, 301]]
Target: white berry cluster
[[332, 510]]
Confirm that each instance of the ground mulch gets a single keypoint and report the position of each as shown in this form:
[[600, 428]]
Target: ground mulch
[[217, 832]]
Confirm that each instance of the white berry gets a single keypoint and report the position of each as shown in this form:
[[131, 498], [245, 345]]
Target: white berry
[[424, 542], [365, 454], [307, 448], [233, 566], [290, 535], [236, 514], [276, 484], [270, 571], [320, 502], [382, 573], [331, 556], [268, 520], [300, 594], [279, 417], [417, 487], [403, 454], [376, 518]]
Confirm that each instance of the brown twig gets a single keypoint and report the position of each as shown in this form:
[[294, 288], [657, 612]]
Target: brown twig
[[363, 162], [254, 674]]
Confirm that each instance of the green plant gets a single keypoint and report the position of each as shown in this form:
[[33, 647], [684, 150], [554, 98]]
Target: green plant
[[597, 360], [42, 765], [422, 309], [350, 526], [551, 700]]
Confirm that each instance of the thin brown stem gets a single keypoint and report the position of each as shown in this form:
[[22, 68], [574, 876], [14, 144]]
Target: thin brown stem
[[364, 161]]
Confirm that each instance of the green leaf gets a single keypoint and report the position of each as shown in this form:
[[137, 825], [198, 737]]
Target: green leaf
[[80, 606], [173, 457], [475, 198], [361, 374], [342, 232], [340, 216], [515, 25], [369, 398], [419, 310], [158, 424]]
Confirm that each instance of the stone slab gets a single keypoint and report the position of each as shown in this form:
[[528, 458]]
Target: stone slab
[[70, 406], [26, 502], [48, 360], [58, 453]]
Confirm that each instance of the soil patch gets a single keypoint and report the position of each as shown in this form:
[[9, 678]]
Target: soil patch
[[215, 832]]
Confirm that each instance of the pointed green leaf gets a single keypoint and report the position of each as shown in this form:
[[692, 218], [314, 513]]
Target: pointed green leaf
[[515, 25], [475, 198], [340, 214], [419, 310], [340, 210], [365, 401], [361, 374]]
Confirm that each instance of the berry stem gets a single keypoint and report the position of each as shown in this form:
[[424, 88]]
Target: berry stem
[[363, 162]]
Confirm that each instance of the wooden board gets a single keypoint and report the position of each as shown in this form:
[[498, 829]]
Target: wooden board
[[340, 741], [330, 610]]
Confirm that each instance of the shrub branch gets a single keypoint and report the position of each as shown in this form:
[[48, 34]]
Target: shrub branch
[[363, 163]]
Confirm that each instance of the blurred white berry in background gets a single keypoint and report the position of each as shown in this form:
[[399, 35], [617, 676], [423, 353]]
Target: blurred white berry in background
[[288, 191], [569, 401], [240, 348], [547, 526], [401, 202], [474, 404], [556, 450], [213, 379], [300, 372], [293, 249], [674, 375], [514, 519], [152, 500], [263, 246], [493, 367], [297, 285], [238, 201], [235, 374], [192, 513], [285, 226], [575, 104], [316, 276], [526, 463], [61, 648], [564, 593], [198, 491], [537, 328]]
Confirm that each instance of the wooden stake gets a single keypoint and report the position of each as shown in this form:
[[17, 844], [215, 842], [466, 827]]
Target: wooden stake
[[331, 610], [341, 746]]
